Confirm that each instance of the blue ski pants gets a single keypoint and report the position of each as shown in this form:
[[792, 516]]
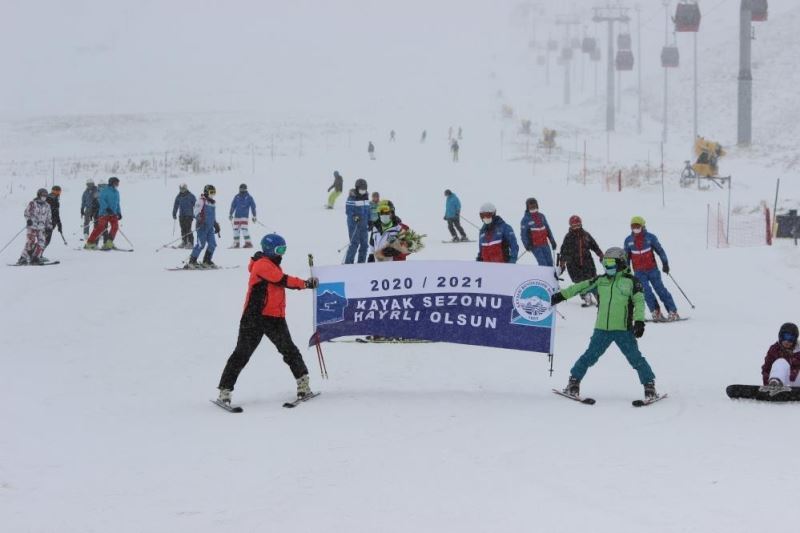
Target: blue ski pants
[[358, 242], [599, 343], [651, 280], [543, 255], [205, 236]]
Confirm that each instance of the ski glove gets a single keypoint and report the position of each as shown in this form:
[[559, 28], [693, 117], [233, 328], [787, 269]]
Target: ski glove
[[356, 219], [174, 217], [312, 283], [230, 217], [554, 245], [254, 220], [638, 329], [556, 298], [216, 229], [665, 268], [119, 217], [30, 223]]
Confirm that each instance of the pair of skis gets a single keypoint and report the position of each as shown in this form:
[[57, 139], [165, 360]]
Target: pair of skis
[[45, 263], [591, 401], [288, 405]]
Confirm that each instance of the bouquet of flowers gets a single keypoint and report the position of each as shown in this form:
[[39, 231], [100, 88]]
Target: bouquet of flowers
[[411, 240]]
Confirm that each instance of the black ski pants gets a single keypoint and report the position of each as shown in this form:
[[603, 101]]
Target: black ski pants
[[251, 330], [186, 230], [454, 224]]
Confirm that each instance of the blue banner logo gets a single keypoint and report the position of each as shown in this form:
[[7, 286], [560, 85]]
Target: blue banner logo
[[532, 305], [331, 303]]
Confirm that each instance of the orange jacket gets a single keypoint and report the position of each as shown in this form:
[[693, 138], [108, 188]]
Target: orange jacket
[[266, 289]]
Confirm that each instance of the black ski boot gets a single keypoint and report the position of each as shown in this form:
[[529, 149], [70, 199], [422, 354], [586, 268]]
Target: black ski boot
[[207, 263], [192, 264], [650, 391], [573, 387]]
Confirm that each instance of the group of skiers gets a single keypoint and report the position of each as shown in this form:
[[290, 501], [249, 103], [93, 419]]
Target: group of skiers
[[453, 142], [42, 217]]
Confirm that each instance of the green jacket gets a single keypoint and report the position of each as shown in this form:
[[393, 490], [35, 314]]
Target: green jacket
[[620, 300]]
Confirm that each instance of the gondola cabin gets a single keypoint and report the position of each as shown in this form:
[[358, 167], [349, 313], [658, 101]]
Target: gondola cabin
[[687, 17], [758, 10], [670, 57], [624, 60], [588, 45]]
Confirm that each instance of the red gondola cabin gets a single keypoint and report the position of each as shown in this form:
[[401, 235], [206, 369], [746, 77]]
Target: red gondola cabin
[[687, 17]]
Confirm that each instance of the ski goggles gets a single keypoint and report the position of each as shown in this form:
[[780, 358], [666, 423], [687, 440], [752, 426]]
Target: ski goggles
[[609, 263], [788, 336], [280, 250]]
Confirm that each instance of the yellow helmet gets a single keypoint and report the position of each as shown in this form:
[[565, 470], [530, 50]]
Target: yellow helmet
[[637, 220]]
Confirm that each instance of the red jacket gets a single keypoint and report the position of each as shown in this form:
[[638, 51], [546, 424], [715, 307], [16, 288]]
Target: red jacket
[[775, 352], [266, 289]]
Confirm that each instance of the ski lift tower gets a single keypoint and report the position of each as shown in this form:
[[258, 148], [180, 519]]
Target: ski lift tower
[[750, 11], [567, 21], [610, 14]]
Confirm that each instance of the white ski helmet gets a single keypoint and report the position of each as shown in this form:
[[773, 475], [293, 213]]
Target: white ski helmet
[[488, 207]]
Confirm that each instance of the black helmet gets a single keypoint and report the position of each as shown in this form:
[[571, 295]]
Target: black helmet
[[361, 183], [336, 174], [788, 332], [113, 180], [532, 203], [209, 189], [448, 192], [243, 187]]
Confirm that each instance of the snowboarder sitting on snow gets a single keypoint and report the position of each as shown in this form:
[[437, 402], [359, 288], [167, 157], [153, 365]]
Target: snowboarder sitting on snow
[[452, 214], [183, 210], [335, 189], [782, 363], [535, 232], [496, 241], [576, 256], [39, 218], [383, 236], [205, 212], [639, 246], [109, 213], [620, 319], [241, 206], [265, 314]]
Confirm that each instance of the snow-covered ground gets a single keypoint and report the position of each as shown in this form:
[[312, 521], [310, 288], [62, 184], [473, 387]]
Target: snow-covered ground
[[109, 360]]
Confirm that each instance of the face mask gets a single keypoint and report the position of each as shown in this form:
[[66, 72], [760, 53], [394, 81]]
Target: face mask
[[533, 210], [212, 195], [637, 231], [487, 221], [386, 219], [610, 271], [362, 191]]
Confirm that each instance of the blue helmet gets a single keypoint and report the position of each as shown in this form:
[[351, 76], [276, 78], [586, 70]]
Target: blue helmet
[[273, 245]]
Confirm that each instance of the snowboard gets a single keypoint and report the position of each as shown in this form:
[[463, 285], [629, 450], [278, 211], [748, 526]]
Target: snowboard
[[763, 394], [228, 407], [579, 399], [48, 263], [298, 401]]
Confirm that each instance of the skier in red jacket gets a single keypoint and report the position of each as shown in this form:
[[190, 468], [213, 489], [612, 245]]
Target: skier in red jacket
[[265, 314]]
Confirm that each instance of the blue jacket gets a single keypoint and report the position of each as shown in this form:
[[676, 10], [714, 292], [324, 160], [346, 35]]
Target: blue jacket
[[87, 199], [507, 246], [242, 204], [184, 202], [205, 211], [642, 258], [358, 206], [528, 224], [452, 206], [109, 201]]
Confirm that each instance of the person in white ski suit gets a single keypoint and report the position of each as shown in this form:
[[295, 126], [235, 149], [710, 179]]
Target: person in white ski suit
[[39, 218]]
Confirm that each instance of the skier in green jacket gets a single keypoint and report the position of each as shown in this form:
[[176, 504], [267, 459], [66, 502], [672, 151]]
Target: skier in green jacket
[[620, 319]]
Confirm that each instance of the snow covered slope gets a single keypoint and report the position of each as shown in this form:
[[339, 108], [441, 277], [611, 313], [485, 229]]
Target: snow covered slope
[[109, 360]]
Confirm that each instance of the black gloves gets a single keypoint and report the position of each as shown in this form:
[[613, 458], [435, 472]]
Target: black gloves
[[371, 258], [30, 223], [81, 211], [119, 216], [216, 229], [554, 245], [556, 298], [638, 329], [312, 283], [174, 217], [665, 268], [60, 228]]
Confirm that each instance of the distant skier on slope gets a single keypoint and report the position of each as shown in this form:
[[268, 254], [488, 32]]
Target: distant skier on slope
[[640, 246], [454, 148], [89, 206], [205, 213], [335, 189], [496, 241], [38, 218], [110, 214], [241, 207], [374, 202], [620, 320], [183, 211], [358, 213], [265, 314], [452, 215], [371, 150], [535, 232], [782, 363], [576, 256]]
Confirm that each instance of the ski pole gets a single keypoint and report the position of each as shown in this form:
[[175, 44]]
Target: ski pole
[[126, 238], [174, 222], [63, 238], [470, 223], [679, 288], [176, 240], [14, 238], [323, 369]]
